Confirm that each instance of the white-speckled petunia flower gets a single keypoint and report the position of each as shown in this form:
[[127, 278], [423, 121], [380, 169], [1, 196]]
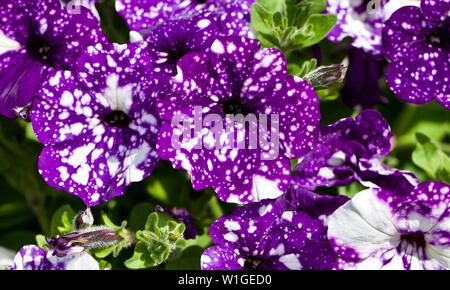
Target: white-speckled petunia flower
[[237, 77], [381, 229], [38, 38], [362, 20], [31, 257], [98, 124]]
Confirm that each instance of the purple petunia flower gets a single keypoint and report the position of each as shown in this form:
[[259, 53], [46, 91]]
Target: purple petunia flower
[[381, 229], [37, 38], [363, 21], [232, 16], [350, 150], [417, 41], [362, 84], [235, 78], [31, 257], [98, 124], [171, 40], [274, 235], [317, 206]]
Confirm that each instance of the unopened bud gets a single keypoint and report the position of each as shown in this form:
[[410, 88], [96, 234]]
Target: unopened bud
[[325, 76], [80, 241], [83, 220]]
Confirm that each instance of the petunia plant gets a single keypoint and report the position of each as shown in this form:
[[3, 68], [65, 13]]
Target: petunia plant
[[224, 134]]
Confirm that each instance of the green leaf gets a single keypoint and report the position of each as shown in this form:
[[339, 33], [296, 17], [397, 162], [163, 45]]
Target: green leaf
[[104, 265], [263, 15], [299, 12], [430, 158], [62, 219], [148, 255], [42, 242], [314, 30], [161, 238], [156, 190], [152, 224], [305, 68], [103, 253], [350, 190], [291, 25]]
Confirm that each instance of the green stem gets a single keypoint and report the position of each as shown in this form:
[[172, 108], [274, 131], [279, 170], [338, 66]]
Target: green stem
[[402, 123], [37, 205], [215, 207]]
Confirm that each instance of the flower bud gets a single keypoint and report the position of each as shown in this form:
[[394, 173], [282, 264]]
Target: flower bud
[[83, 220], [325, 76], [80, 241]]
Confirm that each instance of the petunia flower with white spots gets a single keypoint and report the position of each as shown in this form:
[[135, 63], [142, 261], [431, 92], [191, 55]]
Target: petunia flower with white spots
[[363, 20], [171, 40], [274, 235], [233, 16], [98, 124], [238, 77], [381, 229], [36, 39], [350, 150], [31, 257], [417, 42]]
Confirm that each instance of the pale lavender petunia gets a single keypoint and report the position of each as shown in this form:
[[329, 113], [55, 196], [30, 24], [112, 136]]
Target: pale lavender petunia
[[381, 229], [98, 124], [417, 42], [363, 20], [237, 77], [37, 38]]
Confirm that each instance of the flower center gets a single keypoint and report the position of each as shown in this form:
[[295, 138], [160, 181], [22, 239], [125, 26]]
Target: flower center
[[416, 239], [39, 49], [117, 119], [175, 55], [233, 107], [440, 38]]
